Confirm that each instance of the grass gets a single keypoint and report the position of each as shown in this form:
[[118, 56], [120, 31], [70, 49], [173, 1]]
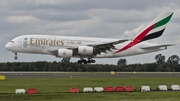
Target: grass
[[55, 89], [135, 96]]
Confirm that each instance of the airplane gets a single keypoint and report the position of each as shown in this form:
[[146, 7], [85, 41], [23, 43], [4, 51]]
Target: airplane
[[89, 47]]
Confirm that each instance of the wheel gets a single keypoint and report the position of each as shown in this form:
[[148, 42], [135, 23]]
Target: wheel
[[89, 61], [85, 62], [93, 61], [15, 57], [79, 61]]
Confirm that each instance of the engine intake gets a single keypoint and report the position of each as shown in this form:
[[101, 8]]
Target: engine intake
[[85, 50], [65, 53]]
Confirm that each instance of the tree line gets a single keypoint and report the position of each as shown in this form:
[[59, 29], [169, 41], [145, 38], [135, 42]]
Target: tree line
[[172, 65]]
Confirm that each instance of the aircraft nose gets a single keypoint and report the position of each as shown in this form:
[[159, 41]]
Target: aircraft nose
[[8, 46]]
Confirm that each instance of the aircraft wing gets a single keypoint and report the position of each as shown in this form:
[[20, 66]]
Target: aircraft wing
[[106, 46], [156, 46], [53, 50], [98, 48]]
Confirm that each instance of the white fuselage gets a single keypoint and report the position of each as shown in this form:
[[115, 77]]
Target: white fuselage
[[40, 44]]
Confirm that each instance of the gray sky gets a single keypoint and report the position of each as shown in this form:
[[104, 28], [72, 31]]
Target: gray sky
[[95, 18]]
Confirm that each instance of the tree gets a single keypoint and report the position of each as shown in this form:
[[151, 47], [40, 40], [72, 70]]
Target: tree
[[65, 60], [160, 58], [174, 59], [121, 61], [159, 68]]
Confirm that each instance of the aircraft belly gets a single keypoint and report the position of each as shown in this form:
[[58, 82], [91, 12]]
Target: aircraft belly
[[34, 50], [104, 55]]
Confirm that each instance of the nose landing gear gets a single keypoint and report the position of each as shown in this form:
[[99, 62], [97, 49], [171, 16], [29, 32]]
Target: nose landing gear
[[15, 58]]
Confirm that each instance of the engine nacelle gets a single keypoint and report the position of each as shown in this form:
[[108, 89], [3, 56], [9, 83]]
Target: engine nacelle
[[65, 53], [85, 50]]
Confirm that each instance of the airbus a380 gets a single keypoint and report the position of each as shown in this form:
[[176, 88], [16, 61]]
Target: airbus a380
[[86, 47]]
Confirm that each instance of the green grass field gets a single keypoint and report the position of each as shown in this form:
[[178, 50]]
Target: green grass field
[[56, 89]]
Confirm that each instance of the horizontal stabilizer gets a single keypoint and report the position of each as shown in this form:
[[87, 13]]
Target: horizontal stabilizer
[[156, 46]]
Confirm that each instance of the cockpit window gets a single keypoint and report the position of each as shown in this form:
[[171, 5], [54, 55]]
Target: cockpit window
[[12, 41]]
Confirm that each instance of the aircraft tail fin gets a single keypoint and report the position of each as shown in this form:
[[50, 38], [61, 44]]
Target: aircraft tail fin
[[155, 28]]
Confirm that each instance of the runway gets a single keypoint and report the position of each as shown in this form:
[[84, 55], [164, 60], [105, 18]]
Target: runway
[[90, 75]]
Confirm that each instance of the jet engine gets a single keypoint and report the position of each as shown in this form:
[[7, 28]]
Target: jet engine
[[85, 50], [65, 53]]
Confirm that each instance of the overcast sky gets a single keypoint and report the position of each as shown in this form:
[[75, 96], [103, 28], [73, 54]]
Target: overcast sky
[[95, 18]]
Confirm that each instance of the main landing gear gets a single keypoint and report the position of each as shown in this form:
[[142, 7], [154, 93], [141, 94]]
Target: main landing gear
[[86, 61], [15, 58]]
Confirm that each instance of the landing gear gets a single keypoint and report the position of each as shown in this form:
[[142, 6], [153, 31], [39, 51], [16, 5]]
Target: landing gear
[[82, 61], [15, 58], [91, 60], [86, 61]]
